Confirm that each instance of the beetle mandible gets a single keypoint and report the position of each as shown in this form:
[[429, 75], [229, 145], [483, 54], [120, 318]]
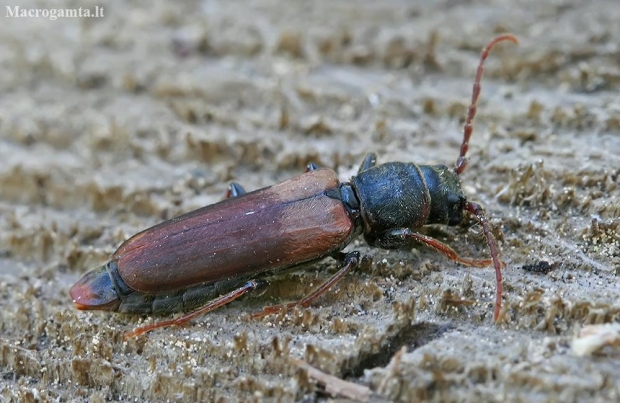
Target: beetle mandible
[[211, 256]]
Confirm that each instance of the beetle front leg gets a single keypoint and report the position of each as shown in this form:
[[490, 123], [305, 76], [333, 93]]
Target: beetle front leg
[[251, 285], [349, 261], [403, 235]]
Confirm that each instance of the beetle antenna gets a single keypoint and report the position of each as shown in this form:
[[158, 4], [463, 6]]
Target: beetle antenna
[[461, 162], [477, 211]]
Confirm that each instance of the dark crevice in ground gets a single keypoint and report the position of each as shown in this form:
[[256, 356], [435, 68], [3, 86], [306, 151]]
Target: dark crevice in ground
[[412, 335]]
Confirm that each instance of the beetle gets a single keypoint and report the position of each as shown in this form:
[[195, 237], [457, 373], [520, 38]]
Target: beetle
[[211, 256]]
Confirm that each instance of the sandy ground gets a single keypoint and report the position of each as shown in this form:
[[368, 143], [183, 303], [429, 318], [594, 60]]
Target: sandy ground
[[111, 125]]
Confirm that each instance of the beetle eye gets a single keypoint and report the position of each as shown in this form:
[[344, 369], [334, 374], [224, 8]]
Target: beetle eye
[[456, 218], [456, 203], [453, 199]]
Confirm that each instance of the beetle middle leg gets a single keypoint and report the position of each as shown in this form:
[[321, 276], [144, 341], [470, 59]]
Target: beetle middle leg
[[349, 261], [251, 285]]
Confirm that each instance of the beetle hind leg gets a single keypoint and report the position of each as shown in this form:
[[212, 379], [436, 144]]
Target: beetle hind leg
[[349, 261]]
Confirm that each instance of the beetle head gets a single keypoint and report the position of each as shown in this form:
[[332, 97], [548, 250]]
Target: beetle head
[[447, 198]]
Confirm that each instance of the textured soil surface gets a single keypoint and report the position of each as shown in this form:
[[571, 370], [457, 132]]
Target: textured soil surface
[[111, 125]]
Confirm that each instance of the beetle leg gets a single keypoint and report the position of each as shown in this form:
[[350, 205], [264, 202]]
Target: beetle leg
[[235, 190], [349, 261], [370, 160], [311, 167], [445, 249], [211, 306], [449, 252]]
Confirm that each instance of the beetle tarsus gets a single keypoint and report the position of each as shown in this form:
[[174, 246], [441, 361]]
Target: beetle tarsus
[[349, 261]]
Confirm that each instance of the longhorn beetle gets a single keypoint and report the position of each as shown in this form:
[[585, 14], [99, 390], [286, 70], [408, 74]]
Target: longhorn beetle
[[211, 256]]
